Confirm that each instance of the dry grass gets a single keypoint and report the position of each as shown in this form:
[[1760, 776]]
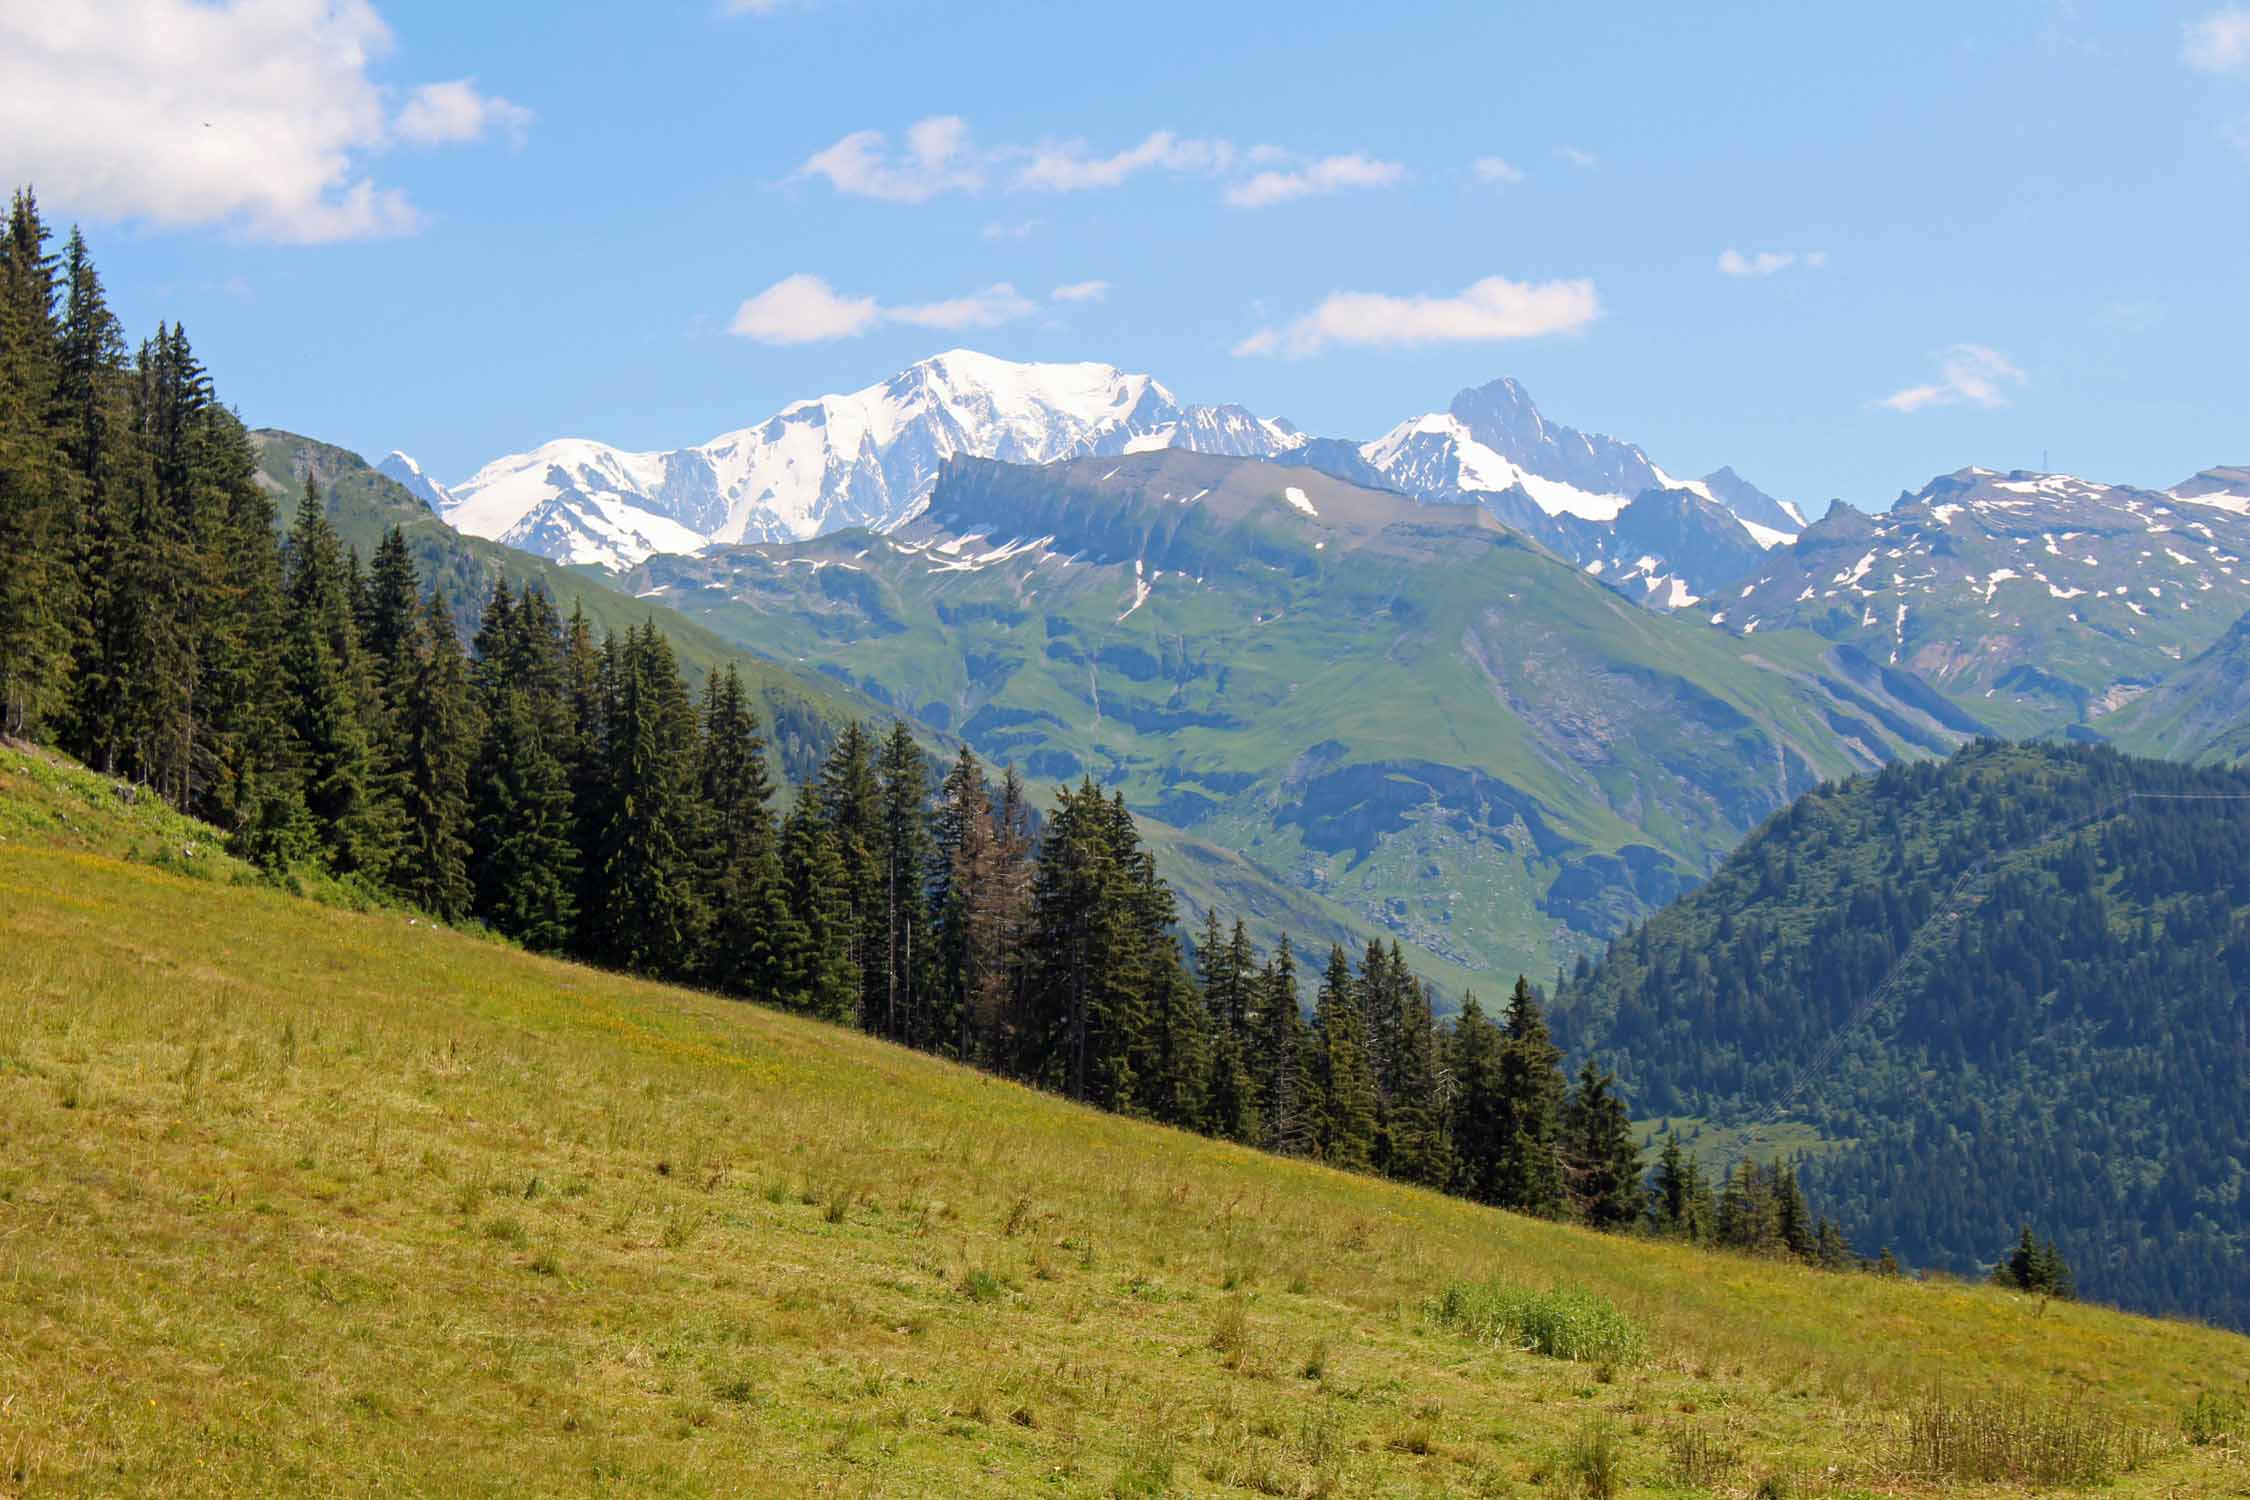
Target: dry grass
[[295, 1199]]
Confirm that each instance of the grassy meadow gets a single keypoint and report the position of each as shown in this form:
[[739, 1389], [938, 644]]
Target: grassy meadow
[[301, 1199]]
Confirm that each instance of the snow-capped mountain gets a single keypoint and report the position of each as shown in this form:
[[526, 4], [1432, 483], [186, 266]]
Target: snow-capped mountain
[[867, 458], [2036, 601], [871, 457], [421, 486]]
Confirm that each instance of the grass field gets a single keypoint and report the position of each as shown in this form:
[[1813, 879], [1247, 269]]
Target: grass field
[[301, 1199]]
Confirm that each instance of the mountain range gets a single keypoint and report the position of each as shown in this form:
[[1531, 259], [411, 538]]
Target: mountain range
[[871, 458]]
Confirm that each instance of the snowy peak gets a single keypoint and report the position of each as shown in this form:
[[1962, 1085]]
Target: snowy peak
[[1493, 438], [408, 473], [865, 458]]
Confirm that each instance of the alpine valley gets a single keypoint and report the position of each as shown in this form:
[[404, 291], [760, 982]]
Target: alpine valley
[[1487, 682]]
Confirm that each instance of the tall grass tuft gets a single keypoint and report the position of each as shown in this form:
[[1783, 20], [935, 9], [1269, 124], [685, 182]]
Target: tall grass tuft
[[1562, 1322], [2217, 1419], [2010, 1437]]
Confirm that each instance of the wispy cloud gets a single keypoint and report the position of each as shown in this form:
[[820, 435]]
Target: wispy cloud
[[1577, 157], [1733, 262], [805, 309], [262, 118], [1486, 311], [938, 156], [1073, 167], [451, 114], [1021, 230], [1314, 179], [1969, 375], [759, 7], [2219, 42], [1496, 170], [1081, 291]]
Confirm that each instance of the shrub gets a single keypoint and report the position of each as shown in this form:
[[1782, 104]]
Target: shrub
[[1561, 1323]]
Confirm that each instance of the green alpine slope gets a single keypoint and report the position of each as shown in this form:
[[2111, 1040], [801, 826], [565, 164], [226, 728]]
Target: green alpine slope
[[801, 707], [1406, 708], [2061, 1042]]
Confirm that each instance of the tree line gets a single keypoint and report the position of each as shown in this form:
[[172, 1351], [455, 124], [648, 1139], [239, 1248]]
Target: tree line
[[572, 793]]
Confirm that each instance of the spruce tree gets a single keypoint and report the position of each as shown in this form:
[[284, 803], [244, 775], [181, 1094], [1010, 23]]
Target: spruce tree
[[652, 915], [907, 854], [321, 664], [38, 504], [1601, 1160], [821, 979], [742, 857], [1347, 1134], [1478, 1110], [1528, 1176], [851, 798], [439, 732], [526, 854]]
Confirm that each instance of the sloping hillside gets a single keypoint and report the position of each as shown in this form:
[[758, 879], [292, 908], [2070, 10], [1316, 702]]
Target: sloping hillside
[[300, 1199], [802, 709], [2061, 1039], [1407, 708]]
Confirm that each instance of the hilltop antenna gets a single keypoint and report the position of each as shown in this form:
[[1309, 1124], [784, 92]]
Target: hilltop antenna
[[2043, 462]]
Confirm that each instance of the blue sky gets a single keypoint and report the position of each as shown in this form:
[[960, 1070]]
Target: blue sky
[[2024, 225]]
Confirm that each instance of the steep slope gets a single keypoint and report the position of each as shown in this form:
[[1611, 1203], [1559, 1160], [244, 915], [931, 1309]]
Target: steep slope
[[1407, 708], [868, 459], [408, 473], [302, 1201], [2200, 712], [2062, 1042], [2035, 601]]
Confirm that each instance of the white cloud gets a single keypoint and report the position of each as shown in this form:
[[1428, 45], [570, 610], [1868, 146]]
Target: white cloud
[[1315, 179], [448, 114], [1081, 291], [2218, 43], [805, 309], [760, 7], [1969, 374], [259, 115], [938, 159], [1733, 262], [996, 304], [1577, 157], [999, 230], [1496, 170], [1486, 311], [1068, 167]]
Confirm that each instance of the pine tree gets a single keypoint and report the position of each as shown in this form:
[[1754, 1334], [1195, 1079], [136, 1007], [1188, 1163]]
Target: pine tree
[[1793, 1225], [1417, 1146], [1747, 1218], [1601, 1160], [1174, 1083], [1280, 1054]]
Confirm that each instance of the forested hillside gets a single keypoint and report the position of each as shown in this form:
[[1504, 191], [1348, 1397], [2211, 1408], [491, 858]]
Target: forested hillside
[[2064, 1041]]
